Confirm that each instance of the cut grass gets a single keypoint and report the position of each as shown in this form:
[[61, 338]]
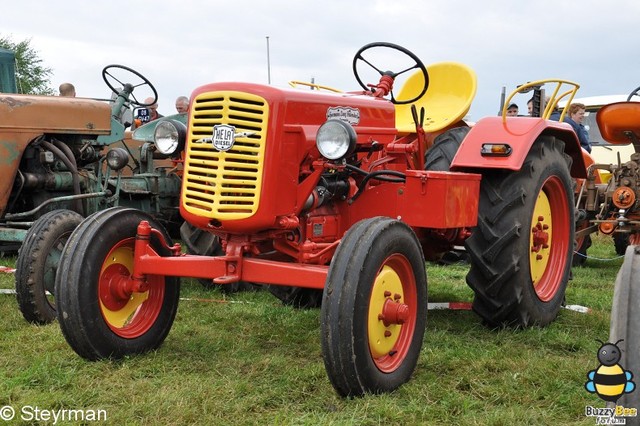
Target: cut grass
[[256, 361]]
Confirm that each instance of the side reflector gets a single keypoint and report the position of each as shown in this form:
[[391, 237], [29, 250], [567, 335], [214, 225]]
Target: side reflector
[[495, 150]]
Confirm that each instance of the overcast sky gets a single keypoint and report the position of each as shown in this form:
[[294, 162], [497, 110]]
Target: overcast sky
[[180, 45]]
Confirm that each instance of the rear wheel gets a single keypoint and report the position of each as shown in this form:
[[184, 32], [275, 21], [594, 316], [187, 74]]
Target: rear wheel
[[580, 255], [297, 297], [438, 158], [374, 308], [440, 155], [625, 322], [38, 261], [522, 247], [98, 316], [621, 242]]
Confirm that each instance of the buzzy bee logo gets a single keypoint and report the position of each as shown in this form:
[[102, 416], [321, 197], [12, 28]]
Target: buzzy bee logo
[[610, 381]]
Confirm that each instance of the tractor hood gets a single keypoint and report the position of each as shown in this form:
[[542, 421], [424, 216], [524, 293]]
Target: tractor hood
[[233, 187], [53, 114]]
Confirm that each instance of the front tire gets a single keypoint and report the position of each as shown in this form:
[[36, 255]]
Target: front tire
[[625, 322], [96, 319], [521, 249], [38, 261], [374, 308]]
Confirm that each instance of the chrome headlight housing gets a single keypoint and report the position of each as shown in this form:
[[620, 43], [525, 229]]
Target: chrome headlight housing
[[169, 136], [117, 158], [336, 139]]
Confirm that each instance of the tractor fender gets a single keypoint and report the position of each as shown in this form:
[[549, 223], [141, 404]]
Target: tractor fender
[[519, 133]]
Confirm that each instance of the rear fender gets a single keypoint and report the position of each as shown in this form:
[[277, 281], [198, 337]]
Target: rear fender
[[519, 133]]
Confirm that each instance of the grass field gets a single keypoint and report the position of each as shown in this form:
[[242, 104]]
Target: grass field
[[247, 359]]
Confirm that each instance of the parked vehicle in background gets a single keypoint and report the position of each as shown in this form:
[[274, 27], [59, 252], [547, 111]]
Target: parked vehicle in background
[[63, 159]]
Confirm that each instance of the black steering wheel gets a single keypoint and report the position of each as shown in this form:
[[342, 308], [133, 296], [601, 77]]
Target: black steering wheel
[[418, 64], [634, 93], [110, 79]]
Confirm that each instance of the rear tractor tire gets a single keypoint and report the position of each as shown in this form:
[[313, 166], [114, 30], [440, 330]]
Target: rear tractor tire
[[297, 297], [38, 261], [439, 157], [521, 249], [98, 317], [621, 242], [580, 255], [374, 308]]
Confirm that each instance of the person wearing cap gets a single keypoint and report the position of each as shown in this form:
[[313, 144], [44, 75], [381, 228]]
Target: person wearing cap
[[512, 110]]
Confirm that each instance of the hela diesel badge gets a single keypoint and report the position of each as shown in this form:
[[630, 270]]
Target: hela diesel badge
[[224, 136]]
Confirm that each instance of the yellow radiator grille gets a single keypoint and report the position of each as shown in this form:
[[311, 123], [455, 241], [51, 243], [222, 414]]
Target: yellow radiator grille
[[225, 185]]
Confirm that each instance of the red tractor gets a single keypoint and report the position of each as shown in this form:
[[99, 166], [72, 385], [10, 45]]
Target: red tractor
[[326, 196]]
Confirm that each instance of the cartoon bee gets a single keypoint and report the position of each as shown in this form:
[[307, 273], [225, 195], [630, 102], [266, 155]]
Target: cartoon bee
[[609, 380]]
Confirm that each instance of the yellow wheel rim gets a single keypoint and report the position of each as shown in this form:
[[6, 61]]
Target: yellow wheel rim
[[120, 318], [387, 287], [540, 238]]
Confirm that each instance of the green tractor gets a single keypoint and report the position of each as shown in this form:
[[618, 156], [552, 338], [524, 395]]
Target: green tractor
[[65, 158]]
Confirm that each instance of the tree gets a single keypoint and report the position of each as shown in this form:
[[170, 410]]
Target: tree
[[31, 75]]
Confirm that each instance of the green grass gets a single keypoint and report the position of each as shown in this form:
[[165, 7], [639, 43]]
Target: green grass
[[250, 360]]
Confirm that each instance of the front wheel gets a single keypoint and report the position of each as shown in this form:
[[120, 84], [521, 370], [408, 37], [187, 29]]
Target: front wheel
[[37, 264], [521, 249], [625, 322], [374, 308], [98, 317]]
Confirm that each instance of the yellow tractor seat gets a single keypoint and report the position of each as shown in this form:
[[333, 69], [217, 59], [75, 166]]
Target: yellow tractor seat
[[452, 87]]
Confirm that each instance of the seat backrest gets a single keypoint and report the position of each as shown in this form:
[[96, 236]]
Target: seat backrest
[[452, 87], [616, 120]]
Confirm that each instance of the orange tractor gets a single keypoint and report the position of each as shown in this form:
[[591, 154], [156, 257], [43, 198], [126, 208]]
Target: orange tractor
[[326, 196], [611, 205]]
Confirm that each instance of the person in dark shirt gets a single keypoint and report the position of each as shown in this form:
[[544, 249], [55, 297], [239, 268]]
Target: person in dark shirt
[[575, 115]]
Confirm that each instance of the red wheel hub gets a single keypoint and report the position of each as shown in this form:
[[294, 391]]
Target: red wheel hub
[[540, 236], [130, 309], [394, 313]]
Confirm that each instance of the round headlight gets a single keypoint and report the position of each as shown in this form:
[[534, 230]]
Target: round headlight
[[336, 139], [117, 158], [169, 136]]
